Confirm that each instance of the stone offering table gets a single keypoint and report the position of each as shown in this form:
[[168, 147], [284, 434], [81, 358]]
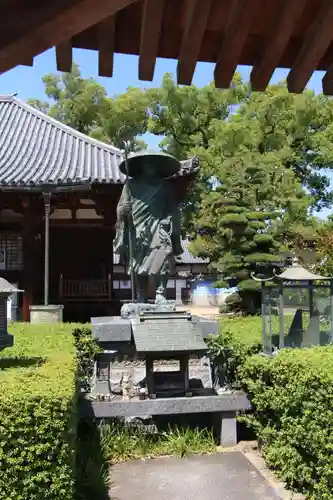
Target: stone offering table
[[164, 353], [225, 406]]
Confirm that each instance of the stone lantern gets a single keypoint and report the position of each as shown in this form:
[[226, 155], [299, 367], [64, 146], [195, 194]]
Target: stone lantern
[[6, 289], [297, 309]]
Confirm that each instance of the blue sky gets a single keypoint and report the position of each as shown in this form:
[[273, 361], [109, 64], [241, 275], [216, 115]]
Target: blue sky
[[27, 81]]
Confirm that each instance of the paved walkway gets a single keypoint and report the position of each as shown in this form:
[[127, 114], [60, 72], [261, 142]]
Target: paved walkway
[[223, 476]]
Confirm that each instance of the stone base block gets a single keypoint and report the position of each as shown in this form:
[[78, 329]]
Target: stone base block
[[228, 429], [46, 314], [6, 341]]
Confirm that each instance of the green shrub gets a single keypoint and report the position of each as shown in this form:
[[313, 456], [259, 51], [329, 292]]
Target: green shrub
[[91, 465], [292, 401], [86, 349], [232, 303], [239, 339], [38, 414]]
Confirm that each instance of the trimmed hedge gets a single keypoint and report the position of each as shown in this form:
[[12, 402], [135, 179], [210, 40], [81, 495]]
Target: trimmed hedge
[[292, 404], [292, 401], [38, 413], [240, 338]]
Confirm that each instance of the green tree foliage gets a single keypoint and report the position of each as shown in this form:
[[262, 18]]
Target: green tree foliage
[[275, 145], [125, 118], [83, 104], [273, 128], [297, 129], [185, 118], [265, 152], [324, 247], [73, 100], [235, 229]]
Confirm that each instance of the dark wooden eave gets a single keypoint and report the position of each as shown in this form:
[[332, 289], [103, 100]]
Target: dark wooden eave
[[294, 34]]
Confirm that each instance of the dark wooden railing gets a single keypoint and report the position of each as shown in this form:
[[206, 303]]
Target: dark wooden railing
[[71, 290]]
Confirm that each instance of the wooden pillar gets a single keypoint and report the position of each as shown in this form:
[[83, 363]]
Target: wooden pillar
[[28, 274], [47, 210], [109, 213], [111, 235]]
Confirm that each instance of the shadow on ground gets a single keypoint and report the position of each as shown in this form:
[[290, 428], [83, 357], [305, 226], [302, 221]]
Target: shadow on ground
[[21, 362], [92, 471]]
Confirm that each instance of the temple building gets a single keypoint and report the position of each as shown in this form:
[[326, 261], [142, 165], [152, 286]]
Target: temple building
[[40, 156]]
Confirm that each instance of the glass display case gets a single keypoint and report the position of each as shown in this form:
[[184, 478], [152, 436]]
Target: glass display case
[[297, 309]]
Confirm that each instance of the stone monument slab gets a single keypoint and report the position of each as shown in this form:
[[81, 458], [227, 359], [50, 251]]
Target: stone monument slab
[[111, 329], [171, 333]]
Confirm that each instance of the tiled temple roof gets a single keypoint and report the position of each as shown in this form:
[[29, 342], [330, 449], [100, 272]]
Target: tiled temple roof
[[37, 149]]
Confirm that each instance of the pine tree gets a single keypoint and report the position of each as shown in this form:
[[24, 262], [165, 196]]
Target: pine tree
[[237, 236]]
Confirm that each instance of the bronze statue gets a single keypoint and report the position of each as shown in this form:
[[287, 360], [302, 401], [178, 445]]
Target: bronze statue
[[148, 222]]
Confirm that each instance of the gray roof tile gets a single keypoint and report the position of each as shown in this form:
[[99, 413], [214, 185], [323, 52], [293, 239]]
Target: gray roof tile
[[188, 258], [37, 149]]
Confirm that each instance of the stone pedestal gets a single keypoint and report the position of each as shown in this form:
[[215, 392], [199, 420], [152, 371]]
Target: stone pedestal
[[179, 285], [133, 309], [46, 314], [228, 429]]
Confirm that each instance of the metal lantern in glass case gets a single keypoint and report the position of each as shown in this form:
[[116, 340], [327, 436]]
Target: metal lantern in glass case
[[6, 290], [297, 309]]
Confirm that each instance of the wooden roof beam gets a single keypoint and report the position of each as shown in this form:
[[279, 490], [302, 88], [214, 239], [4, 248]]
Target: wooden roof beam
[[106, 36], [197, 14], [240, 22], [28, 61], [264, 68], [317, 40], [64, 56], [151, 26], [73, 18]]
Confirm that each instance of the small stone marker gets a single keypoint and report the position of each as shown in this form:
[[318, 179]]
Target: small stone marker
[[6, 289]]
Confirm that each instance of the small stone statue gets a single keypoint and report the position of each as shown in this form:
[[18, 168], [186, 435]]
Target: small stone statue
[[149, 212], [126, 385]]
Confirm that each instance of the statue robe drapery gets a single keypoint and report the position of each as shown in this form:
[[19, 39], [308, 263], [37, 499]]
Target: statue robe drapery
[[155, 226]]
